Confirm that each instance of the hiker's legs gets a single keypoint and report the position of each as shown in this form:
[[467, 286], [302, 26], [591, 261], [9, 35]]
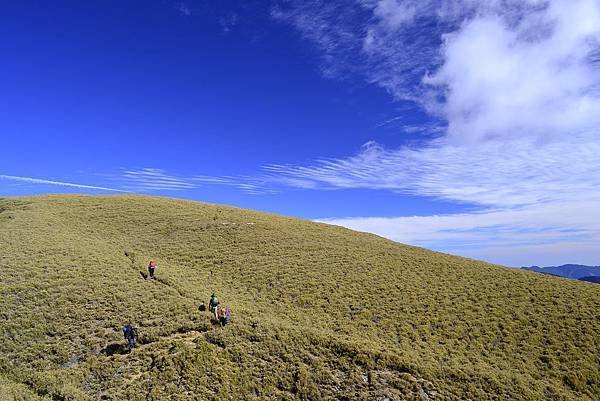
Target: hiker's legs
[[217, 312], [151, 272]]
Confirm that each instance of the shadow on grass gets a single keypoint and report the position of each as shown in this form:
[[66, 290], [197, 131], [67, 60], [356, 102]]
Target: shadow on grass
[[114, 348]]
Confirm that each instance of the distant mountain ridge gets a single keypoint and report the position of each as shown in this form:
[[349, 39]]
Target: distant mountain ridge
[[569, 270]]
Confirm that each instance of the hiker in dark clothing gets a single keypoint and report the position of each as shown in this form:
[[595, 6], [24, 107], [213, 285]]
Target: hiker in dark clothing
[[130, 334], [151, 268]]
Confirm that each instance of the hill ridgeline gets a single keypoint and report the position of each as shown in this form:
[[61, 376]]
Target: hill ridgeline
[[318, 312]]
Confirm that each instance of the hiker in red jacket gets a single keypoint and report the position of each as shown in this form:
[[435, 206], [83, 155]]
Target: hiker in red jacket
[[151, 268]]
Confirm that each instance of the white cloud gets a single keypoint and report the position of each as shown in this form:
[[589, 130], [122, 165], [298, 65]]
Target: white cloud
[[518, 84], [505, 236], [525, 50], [30, 180], [533, 78]]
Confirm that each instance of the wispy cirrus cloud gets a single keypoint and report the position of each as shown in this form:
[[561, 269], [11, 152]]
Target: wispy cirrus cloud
[[252, 185], [334, 27], [491, 174], [152, 179], [38, 181]]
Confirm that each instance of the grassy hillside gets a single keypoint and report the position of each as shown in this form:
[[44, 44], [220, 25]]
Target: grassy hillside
[[319, 312]]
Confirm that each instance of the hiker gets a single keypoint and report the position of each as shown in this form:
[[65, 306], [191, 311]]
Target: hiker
[[221, 316], [224, 316], [130, 334], [213, 305], [151, 268]]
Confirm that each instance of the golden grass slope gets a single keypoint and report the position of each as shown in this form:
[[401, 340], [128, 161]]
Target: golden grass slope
[[319, 312]]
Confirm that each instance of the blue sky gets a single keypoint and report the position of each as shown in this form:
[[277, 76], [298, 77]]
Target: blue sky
[[469, 127]]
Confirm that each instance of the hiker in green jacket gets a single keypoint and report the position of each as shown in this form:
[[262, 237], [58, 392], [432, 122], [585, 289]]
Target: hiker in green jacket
[[213, 305]]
